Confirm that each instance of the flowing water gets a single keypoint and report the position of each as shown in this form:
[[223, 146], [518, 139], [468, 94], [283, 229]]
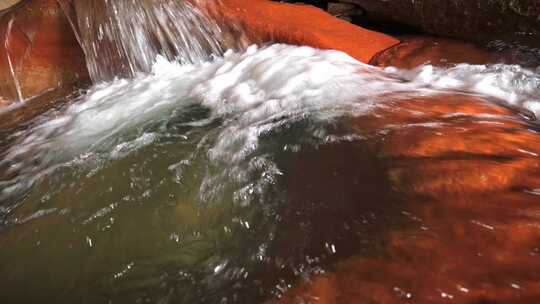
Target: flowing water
[[232, 179], [123, 38]]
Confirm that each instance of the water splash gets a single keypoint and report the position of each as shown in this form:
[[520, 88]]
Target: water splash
[[511, 84], [186, 169], [250, 93], [123, 37]]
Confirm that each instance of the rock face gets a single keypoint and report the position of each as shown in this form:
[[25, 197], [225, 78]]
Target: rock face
[[478, 21], [40, 52], [299, 24], [5, 4]]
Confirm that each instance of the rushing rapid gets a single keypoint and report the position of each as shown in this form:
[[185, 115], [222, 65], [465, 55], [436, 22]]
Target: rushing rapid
[[252, 92], [183, 185], [123, 38]]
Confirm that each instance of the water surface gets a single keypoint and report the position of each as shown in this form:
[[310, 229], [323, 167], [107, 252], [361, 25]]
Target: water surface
[[232, 180]]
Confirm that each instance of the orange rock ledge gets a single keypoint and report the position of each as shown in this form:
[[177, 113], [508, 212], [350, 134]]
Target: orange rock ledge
[[301, 24]]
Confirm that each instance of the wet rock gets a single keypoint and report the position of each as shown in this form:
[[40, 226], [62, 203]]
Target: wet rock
[[40, 52], [477, 21], [5, 4], [345, 11], [267, 21], [465, 170], [413, 52]]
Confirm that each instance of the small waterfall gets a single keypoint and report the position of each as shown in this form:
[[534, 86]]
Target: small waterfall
[[124, 37]]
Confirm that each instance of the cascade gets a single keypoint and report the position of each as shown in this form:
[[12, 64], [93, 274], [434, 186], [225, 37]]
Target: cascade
[[122, 38]]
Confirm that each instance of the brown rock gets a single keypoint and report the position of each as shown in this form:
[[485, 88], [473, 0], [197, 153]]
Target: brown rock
[[477, 21], [268, 21], [40, 52], [345, 11], [5, 4], [412, 52]]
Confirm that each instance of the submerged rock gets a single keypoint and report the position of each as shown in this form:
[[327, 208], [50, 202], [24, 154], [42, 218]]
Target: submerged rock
[[465, 171]]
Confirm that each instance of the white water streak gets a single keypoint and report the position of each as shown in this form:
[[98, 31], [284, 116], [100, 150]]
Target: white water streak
[[252, 92]]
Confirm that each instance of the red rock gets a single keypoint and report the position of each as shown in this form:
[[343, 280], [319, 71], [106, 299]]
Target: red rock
[[412, 52], [472, 234], [5, 4], [268, 21], [40, 52]]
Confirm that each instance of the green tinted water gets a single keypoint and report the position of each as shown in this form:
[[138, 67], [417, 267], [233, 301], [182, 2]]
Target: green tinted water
[[163, 223]]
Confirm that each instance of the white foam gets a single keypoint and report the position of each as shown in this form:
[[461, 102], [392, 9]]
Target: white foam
[[510, 83], [252, 92]]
